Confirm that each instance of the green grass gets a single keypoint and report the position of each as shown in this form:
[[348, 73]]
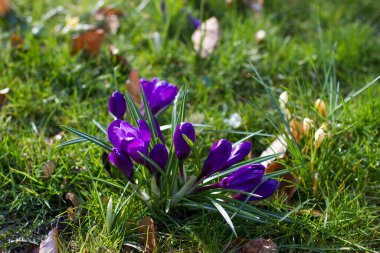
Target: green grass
[[49, 87]]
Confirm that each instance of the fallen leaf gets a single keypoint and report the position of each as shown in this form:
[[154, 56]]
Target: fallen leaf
[[289, 184], [16, 41], [3, 96], [109, 17], [279, 145], [147, 230], [71, 213], [118, 59], [312, 212], [49, 168], [73, 198], [236, 245], [89, 42], [5, 6], [52, 244], [206, 37], [259, 246], [133, 86]]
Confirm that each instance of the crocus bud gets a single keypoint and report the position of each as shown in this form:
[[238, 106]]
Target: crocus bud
[[182, 148], [122, 162], [196, 23], [321, 107], [245, 178], [217, 158], [260, 36], [159, 154], [307, 124], [319, 136], [238, 153], [325, 126], [284, 98], [117, 105], [249, 178]]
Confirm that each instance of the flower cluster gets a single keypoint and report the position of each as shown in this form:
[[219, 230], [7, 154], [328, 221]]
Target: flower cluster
[[134, 144]]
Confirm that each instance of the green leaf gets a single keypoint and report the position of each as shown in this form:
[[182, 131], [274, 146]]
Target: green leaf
[[133, 110], [88, 137], [149, 118], [102, 128], [71, 142], [225, 215]]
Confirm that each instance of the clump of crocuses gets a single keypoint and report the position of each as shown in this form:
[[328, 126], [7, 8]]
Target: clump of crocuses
[[134, 144], [175, 172]]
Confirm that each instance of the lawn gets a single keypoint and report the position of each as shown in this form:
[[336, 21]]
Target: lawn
[[312, 49]]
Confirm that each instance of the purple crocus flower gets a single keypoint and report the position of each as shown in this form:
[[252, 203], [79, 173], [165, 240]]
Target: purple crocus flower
[[182, 149], [217, 158], [117, 105], [158, 93], [248, 179], [196, 23], [238, 153], [122, 162], [159, 154], [129, 139]]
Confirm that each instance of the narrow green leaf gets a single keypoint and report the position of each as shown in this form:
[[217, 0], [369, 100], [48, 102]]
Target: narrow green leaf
[[71, 142], [149, 117], [90, 138], [102, 128], [134, 112], [225, 215]]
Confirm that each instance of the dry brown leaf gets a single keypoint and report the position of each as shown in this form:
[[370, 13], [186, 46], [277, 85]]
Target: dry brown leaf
[[259, 246], [73, 198], [109, 17], [71, 213], [312, 212], [118, 59], [16, 41], [289, 184], [3, 95], [5, 6], [49, 168], [147, 230], [90, 42], [52, 244], [133, 86], [206, 37]]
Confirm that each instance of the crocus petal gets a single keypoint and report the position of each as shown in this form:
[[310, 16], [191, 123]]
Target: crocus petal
[[245, 178], [181, 147], [265, 190], [117, 105], [122, 162], [196, 23], [238, 153], [217, 157], [133, 148], [114, 139], [159, 154], [144, 131]]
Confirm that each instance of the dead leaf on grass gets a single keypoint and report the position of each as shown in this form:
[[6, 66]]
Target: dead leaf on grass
[[133, 86], [90, 42], [5, 6], [259, 246], [72, 198], [49, 168], [3, 96], [147, 230], [52, 244]]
